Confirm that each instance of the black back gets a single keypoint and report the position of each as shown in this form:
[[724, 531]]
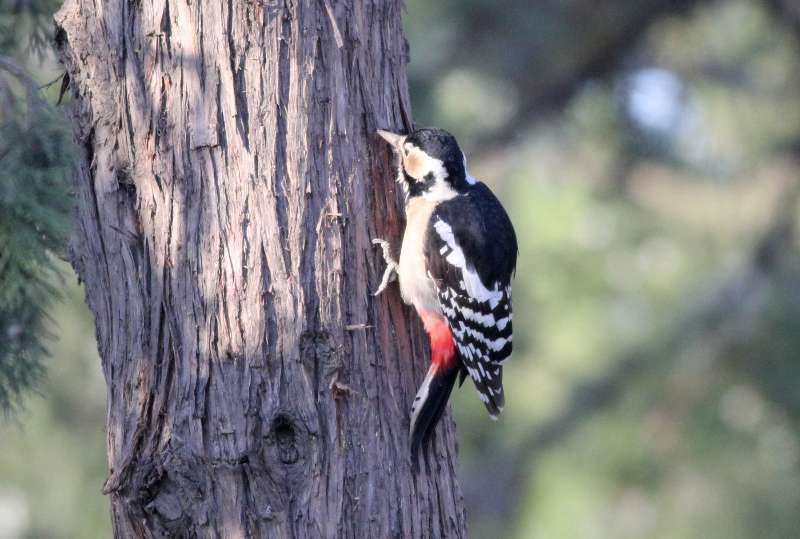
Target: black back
[[484, 235], [482, 229]]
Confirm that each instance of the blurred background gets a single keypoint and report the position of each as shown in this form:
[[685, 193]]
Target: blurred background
[[648, 152]]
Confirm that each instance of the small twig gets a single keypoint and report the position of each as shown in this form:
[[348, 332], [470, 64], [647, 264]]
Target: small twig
[[52, 82]]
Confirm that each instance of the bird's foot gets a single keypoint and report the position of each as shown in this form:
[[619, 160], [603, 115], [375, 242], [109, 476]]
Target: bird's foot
[[390, 273]]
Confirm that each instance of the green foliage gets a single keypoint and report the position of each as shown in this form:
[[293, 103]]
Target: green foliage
[[34, 200], [26, 26], [34, 219], [52, 455]]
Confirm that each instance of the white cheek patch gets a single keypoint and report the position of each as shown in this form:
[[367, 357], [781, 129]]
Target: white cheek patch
[[418, 164]]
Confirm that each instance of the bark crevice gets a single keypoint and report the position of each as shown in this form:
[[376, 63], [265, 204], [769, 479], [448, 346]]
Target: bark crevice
[[229, 186]]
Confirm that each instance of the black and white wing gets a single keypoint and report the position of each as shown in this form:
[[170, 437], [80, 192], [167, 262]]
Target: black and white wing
[[471, 253]]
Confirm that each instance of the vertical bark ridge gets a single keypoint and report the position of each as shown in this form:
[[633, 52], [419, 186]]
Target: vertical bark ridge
[[228, 188]]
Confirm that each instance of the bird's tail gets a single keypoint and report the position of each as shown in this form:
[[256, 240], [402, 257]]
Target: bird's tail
[[430, 403]]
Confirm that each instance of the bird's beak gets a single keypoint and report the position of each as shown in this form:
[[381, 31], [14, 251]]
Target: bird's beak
[[392, 138]]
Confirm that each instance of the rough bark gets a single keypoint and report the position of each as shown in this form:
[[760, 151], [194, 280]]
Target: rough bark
[[228, 187]]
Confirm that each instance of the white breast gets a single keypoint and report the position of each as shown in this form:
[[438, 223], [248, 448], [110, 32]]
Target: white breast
[[416, 287]]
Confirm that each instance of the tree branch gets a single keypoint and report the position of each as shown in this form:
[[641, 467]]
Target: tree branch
[[589, 50]]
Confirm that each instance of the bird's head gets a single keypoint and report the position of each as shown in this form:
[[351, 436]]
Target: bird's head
[[430, 164]]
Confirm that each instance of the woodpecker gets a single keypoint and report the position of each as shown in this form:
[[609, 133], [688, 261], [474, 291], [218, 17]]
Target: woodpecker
[[457, 259]]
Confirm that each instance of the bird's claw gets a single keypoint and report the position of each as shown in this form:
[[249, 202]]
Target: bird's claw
[[390, 273]]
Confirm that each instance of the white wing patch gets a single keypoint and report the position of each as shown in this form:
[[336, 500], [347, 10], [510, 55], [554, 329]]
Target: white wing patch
[[471, 280]]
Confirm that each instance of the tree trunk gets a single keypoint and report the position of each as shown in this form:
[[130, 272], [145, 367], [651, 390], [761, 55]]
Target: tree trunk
[[228, 185]]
